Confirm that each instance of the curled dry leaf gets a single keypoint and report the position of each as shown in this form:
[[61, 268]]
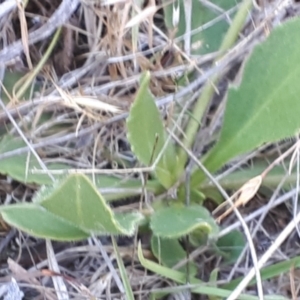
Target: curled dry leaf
[[242, 196], [248, 190]]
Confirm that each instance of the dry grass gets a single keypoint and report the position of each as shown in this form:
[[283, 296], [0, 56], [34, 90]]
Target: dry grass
[[88, 85]]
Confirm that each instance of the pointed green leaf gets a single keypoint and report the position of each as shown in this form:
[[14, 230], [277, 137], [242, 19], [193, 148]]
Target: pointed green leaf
[[76, 200], [170, 252], [177, 221], [147, 136], [264, 108], [37, 221]]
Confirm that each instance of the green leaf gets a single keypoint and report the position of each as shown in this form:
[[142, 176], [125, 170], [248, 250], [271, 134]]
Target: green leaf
[[210, 38], [177, 221], [37, 221], [76, 200], [169, 252], [264, 108], [231, 246], [147, 136], [71, 209]]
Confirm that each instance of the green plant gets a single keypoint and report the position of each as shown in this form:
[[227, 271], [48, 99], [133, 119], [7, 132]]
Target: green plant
[[263, 109], [254, 114]]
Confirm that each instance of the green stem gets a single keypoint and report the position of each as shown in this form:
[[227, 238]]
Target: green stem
[[208, 90]]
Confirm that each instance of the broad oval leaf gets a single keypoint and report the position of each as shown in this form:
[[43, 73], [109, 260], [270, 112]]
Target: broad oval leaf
[[177, 221], [265, 107], [37, 221], [147, 135]]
